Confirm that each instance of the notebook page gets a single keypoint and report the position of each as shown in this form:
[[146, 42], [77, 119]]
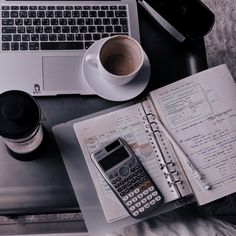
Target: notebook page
[[126, 123], [200, 114]]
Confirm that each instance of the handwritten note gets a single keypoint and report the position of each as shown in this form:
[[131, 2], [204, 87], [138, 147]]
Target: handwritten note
[[200, 113]]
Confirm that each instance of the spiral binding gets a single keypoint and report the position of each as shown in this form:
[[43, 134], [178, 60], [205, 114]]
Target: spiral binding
[[168, 157]]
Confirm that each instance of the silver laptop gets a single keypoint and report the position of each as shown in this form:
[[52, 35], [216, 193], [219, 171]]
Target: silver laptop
[[43, 42]]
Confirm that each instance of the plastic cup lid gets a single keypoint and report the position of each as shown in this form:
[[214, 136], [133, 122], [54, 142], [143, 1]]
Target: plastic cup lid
[[20, 114]]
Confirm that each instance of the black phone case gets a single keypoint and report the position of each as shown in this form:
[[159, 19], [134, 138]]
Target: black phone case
[[190, 17]]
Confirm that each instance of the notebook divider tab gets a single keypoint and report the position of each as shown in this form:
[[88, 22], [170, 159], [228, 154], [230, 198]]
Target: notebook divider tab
[[169, 163]]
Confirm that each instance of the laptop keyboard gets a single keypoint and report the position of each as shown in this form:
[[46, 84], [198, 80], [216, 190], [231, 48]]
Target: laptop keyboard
[[29, 28]]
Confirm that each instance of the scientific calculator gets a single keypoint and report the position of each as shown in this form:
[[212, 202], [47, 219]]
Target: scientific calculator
[[127, 178]]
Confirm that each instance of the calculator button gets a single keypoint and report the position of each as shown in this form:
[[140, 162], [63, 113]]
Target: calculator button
[[135, 199], [125, 198], [147, 205], [141, 209], [149, 197], [124, 186], [144, 200], [124, 171], [129, 203], [122, 194], [154, 194], [110, 176], [158, 198], [151, 188], [132, 208], [145, 192], [152, 202], [140, 195], [136, 190], [138, 204], [135, 213], [118, 179], [131, 194], [114, 182]]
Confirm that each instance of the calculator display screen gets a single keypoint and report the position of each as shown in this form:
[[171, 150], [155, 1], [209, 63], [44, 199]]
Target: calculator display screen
[[114, 158]]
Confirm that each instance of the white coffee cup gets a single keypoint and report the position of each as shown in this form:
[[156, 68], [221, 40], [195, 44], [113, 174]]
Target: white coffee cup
[[119, 59]]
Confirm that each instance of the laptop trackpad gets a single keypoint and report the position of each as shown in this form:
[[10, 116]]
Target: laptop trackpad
[[62, 73]]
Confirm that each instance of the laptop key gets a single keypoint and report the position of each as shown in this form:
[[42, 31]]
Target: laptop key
[[39, 29], [33, 46], [23, 46], [36, 22], [74, 29], [33, 7], [52, 37], [61, 45], [9, 30], [14, 7], [61, 37], [16, 37], [25, 37], [79, 37], [5, 14], [34, 37], [5, 46], [43, 37], [21, 29], [6, 37], [18, 22], [30, 29], [7, 22], [14, 14], [14, 46], [5, 8], [96, 36], [47, 29], [88, 44], [23, 14]]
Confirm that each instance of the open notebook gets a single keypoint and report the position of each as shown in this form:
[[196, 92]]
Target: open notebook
[[199, 116]]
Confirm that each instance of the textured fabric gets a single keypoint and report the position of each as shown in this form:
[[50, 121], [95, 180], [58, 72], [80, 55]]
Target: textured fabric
[[183, 222], [221, 41]]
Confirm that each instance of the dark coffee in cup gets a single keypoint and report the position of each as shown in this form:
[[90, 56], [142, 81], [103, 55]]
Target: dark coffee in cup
[[120, 56]]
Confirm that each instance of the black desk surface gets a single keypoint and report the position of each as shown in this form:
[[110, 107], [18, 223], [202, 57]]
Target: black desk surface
[[42, 185]]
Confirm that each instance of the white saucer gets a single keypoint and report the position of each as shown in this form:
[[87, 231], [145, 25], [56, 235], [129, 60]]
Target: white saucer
[[114, 92]]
